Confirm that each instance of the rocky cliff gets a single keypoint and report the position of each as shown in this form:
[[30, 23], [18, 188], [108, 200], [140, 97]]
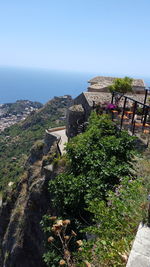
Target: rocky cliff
[[21, 236]]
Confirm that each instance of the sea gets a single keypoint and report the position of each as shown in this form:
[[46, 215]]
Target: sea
[[41, 84]]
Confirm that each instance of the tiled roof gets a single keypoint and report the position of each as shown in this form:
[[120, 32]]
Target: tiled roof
[[97, 97], [100, 97], [103, 81]]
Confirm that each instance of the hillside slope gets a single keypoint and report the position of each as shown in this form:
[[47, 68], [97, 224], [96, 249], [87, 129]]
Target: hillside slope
[[16, 141], [21, 235], [19, 107]]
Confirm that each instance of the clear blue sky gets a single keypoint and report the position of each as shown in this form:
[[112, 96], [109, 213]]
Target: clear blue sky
[[106, 36]]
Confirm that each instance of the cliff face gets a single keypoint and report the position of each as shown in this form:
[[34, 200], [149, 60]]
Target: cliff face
[[21, 235]]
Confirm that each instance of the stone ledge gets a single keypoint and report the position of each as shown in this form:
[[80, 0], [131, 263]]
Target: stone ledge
[[140, 252]]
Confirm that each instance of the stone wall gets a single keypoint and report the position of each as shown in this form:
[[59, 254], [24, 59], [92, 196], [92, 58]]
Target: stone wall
[[75, 117], [92, 89], [140, 253], [49, 140], [81, 100], [96, 88]]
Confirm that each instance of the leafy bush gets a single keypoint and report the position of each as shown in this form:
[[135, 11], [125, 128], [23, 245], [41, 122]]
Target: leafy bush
[[98, 159], [116, 222], [98, 164], [121, 85], [62, 242]]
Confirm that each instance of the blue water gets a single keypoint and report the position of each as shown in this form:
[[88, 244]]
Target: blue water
[[40, 85]]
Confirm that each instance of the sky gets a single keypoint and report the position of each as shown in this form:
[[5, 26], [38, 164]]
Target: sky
[[105, 36]]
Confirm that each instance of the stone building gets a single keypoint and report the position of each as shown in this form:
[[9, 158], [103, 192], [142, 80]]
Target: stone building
[[97, 94], [89, 99], [101, 83]]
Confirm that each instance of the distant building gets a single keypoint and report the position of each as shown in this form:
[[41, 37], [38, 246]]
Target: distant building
[[101, 83]]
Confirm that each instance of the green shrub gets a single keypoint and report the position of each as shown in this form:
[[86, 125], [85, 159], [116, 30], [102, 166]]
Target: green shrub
[[98, 159], [116, 222], [98, 162]]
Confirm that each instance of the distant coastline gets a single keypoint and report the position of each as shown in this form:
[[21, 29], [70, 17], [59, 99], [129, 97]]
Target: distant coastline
[[41, 85]]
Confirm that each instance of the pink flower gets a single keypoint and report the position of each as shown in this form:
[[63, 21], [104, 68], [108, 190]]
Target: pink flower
[[111, 106]]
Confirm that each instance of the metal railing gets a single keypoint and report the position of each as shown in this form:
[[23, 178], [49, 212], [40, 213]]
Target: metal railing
[[128, 117]]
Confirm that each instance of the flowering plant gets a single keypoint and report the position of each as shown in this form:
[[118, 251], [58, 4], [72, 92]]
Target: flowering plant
[[111, 106]]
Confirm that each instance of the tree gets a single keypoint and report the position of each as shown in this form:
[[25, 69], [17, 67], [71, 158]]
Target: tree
[[121, 86]]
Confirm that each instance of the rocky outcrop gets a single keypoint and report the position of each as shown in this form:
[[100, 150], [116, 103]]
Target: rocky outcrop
[[21, 235]]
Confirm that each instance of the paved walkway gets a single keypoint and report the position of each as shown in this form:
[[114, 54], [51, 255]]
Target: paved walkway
[[64, 139], [140, 253]]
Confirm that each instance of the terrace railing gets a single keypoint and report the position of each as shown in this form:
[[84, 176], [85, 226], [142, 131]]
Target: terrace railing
[[132, 115]]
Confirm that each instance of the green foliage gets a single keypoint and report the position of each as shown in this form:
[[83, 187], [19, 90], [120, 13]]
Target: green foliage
[[38, 145], [16, 141], [52, 256], [139, 111], [97, 159], [116, 222], [148, 100], [61, 241], [99, 189], [121, 85]]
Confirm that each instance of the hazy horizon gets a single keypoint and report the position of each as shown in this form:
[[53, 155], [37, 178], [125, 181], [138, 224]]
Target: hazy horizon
[[40, 85], [52, 48]]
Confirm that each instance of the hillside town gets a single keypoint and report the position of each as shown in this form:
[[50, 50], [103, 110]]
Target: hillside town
[[13, 113]]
